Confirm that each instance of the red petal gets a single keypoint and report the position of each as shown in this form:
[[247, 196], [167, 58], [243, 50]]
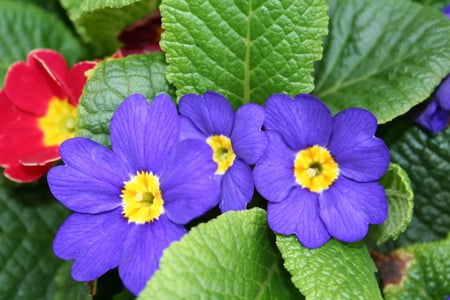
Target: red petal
[[41, 157], [77, 79], [30, 85], [25, 174]]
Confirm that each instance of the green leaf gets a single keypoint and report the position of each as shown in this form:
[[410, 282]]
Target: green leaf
[[24, 27], [66, 288], [426, 274], [230, 257], [110, 83], [439, 4], [246, 50], [425, 157], [99, 23], [400, 198], [385, 56], [334, 271], [29, 218]]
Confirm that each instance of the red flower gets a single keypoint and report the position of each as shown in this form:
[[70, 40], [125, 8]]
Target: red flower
[[38, 112]]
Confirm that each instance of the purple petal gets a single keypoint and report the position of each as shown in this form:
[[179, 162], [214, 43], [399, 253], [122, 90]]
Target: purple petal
[[249, 141], [433, 118], [143, 134], [442, 94], [302, 122], [446, 11], [142, 251], [94, 241], [189, 131], [187, 181], [360, 155], [299, 214], [348, 207], [211, 113], [237, 187], [273, 173]]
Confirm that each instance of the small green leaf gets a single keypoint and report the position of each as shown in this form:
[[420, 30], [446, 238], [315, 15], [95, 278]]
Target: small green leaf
[[66, 288], [99, 23], [230, 257], [29, 218], [425, 157], [24, 27], [427, 274], [400, 198], [334, 271], [246, 50], [385, 56], [110, 83]]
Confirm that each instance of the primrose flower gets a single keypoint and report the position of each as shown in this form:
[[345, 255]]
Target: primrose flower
[[320, 173], [235, 138], [130, 202], [38, 112], [436, 115]]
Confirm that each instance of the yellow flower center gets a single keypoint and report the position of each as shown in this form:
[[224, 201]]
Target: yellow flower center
[[223, 154], [315, 169], [59, 122], [142, 201]]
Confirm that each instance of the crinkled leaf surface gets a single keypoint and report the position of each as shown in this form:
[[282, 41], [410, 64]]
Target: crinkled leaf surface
[[427, 274], [401, 203], [24, 26], [334, 271], [426, 159], [99, 23], [246, 50], [230, 257], [29, 218], [110, 83], [385, 56]]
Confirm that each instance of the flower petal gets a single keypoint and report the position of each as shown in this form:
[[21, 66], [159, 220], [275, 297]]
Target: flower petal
[[187, 181], [189, 131], [143, 134], [211, 113], [76, 79], [442, 94], [298, 214], [94, 241], [348, 207], [142, 250], [249, 141], [30, 86], [23, 174], [360, 155], [273, 173], [302, 122], [237, 187], [433, 118], [41, 157], [91, 167]]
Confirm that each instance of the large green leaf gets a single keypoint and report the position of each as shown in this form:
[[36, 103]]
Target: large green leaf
[[231, 257], [24, 27], [400, 198], [425, 272], [425, 157], [385, 56], [29, 218], [334, 271], [110, 83], [247, 50], [99, 23]]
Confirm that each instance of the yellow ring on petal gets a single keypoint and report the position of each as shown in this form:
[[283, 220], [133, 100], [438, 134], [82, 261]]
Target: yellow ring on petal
[[58, 123], [223, 154], [315, 169], [142, 201]]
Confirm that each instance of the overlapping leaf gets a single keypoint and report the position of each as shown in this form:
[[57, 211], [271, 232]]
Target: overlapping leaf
[[24, 27], [247, 50], [110, 83], [400, 198], [334, 271], [385, 56], [99, 23], [231, 257]]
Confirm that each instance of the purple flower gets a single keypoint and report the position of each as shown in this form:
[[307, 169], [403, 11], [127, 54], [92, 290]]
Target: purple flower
[[320, 173], [435, 116], [235, 138], [130, 202]]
